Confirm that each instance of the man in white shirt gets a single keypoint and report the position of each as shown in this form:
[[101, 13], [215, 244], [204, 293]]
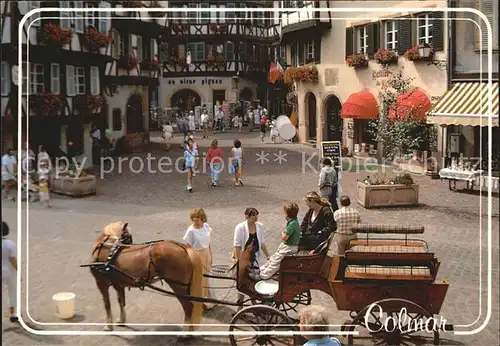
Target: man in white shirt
[[9, 163], [219, 115], [204, 123], [256, 115]]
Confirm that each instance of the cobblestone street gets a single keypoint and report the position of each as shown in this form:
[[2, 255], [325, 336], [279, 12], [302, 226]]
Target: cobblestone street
[[156, 206]]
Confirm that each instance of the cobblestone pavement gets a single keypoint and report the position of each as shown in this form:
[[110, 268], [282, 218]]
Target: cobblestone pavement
[[156, 206]]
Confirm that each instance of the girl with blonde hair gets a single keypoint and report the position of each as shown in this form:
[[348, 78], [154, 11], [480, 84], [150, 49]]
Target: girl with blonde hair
[[318, 223], [198, 236]]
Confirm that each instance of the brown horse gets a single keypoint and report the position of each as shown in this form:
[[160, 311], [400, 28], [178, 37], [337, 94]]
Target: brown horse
[[178, 264]]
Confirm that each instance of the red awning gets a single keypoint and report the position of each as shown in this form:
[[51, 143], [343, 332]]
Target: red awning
[[414, 103], [362, 105]]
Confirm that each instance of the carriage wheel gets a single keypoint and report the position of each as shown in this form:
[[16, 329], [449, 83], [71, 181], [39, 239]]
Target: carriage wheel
[[387, 326], [261, 318], [289, 308]]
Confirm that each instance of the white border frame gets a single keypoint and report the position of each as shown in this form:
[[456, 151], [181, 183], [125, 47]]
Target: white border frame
[[385, 10]]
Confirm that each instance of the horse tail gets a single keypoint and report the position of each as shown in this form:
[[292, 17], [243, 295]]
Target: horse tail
[[196, 285]]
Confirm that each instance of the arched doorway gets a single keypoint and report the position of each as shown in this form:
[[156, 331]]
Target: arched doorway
[[334, 124], [246, 94], [311, 115], [135, 122], [185, 100]]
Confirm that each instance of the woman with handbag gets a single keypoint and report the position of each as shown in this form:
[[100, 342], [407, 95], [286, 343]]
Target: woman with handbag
[[318, 223]]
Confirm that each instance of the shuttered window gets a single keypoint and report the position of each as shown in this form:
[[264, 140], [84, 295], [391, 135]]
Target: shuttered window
[[424, 29], [362, 33], [92, 17], [70, 80], [37, 84], [391, 35], [80, 80], [205, 15], [163, 51], [139, 47], [349, 49], [78, 17], [373, 38], [231, 16], [33, 5], [152, 49], [5, 78], [115, 35], [310, 51], [55, 79], [197, 50], [104, 21], [404, 27], [490, 10], [94, 80]]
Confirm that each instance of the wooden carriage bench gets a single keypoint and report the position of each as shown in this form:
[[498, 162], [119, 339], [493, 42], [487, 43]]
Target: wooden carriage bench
[[368, 230]]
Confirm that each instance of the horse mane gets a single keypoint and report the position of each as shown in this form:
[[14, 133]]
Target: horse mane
[[114, 229]]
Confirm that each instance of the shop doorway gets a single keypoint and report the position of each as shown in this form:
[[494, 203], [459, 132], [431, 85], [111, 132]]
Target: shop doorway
[[218, 96], [246, 94], [134, 116], [311, 115], [185, 100], [334, 124]]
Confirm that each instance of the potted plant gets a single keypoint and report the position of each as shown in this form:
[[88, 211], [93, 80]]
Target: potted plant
[[128, 62], [74, 181], [46, 103], [422, 52], [357, 60], [386, 57], [95, 39], [412, 54], [55, 36], [381, 191]]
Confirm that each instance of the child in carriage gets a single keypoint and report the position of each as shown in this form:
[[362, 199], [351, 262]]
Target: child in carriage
[[289, 245]]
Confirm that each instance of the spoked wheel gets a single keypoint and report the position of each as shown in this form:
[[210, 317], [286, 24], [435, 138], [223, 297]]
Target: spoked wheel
[[385, 322], [261, 318], [290, 308]]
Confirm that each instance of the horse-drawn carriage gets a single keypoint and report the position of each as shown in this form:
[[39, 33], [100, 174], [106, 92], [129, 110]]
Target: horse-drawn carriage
[[387, 284]]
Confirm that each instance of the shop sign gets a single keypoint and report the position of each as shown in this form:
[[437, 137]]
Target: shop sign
[[194, 81], [380, 77]]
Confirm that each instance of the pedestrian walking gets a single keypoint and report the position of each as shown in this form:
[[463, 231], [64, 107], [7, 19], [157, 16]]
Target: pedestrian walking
[[204, 123], [191, 122], [236, 161], [327, 182], [346, 217], [215, 159], [274, 132], [43, 190], [263, 128], [9, 271], [314, 319], [191, 158], [198, 236], [9, 183]]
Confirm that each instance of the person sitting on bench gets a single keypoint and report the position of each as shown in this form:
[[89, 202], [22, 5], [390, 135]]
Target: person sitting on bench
[[289, 244]]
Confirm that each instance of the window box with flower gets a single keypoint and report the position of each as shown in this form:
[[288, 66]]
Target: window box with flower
[[381, 191], [357, 60], [88, 103], [304, 74], [94, 40], [386, 57], [55, 36], [128, 62], [46, 103], [181, 28], [419, 53]]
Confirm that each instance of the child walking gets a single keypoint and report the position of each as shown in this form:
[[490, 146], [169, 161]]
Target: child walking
[[289, 244], [237, 162], [191, 157], [198, 236], [263, 127], [214, 159], [43, 190]]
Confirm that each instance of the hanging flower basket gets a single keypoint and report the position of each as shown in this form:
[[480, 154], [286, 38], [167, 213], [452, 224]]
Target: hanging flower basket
[[54, 35], [218, 28], [304, 74], [151, 65], [46, 103], [156, 4], [132, 4], [89, 103], [386, 57], [357, 60], [128, 62], [94, 40]]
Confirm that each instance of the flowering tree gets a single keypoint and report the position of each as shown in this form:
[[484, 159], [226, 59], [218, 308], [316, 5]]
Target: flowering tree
[[401, 134]]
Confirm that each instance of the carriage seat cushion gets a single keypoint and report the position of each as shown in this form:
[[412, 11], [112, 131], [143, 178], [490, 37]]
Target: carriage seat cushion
[[389, 273], [388, 248]]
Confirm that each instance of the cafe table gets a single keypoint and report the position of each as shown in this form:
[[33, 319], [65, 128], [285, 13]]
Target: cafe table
[[454, 175]]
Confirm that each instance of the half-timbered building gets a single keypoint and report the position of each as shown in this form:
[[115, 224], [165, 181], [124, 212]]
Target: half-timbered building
[[64, 56], [212, 57]]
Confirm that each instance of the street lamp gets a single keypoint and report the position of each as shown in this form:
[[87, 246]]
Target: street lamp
[[425, 51], [188, 58]]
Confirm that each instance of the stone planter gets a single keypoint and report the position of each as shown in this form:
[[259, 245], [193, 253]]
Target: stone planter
[[375, 196], [134, 142], [76, 187]]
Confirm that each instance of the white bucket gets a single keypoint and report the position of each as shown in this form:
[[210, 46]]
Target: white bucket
[[65, 304]]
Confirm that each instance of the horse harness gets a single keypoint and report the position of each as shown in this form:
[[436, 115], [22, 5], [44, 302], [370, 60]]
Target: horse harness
[[107, 267]]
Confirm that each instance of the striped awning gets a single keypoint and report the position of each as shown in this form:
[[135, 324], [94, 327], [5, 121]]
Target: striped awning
[[465, 103]]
